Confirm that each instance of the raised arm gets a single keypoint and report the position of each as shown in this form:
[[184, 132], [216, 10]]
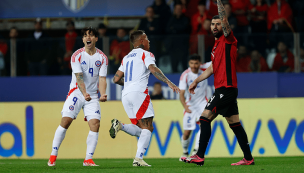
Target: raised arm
[[160, 76], [81, 86], [102, 88], [224, 18], [119, 78]]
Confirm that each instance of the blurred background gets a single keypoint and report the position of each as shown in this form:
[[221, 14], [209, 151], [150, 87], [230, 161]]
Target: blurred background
[[37, 39]]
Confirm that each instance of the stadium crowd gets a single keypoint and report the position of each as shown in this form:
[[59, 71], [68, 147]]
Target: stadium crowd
[[264, 29]]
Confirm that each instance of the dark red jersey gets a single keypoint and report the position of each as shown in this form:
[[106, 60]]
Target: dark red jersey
[[223, 58]]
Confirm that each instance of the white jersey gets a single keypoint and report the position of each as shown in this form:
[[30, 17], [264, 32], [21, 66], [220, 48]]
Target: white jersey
[[92, 66], [136, 73], [186, 80]]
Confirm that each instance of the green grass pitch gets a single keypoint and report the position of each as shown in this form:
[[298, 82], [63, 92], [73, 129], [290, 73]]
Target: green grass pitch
[[216, 165]]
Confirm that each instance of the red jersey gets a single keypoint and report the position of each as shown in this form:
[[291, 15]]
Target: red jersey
[[223, 56]]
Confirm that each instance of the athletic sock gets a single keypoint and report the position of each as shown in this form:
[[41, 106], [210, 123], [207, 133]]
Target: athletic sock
[[143, 143], [58, 138], [242, 139], [204, 137], [91, 144], [185, 144], [131, 129], [197, 138]]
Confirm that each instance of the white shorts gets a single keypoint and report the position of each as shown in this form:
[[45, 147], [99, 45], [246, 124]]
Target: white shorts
[[191, 119], [138, 106], [75, 101]]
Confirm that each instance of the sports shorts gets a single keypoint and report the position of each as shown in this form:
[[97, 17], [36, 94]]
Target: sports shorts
[[191, 119], [75, 101], [224, 102], [138, 106]]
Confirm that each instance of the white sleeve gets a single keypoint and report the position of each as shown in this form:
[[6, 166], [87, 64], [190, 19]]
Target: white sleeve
[[148, 59], [121, 68], [183, 81], [104, 67], [75, 64]]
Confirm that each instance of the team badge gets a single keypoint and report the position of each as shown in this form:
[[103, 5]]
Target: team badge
[[71, 107], [98, 63], [75, 5]]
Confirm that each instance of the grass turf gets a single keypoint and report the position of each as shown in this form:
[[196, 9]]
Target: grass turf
[[216, 165]]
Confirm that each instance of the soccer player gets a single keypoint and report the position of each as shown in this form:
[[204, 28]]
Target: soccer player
[[193, 104], [133, 74], [224, 100], [89, 66]]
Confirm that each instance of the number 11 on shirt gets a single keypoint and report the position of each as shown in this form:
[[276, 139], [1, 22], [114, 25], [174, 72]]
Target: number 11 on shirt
[[131, 70]]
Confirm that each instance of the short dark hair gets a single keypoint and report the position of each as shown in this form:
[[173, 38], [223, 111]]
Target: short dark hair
[[157, 83], [195, 57], [70, 22], [202, 2], [215, 17], [135, 34], [90, 29], [102, 26], [14, 27]]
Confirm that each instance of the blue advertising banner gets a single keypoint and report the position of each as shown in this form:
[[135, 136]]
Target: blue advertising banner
[[250, 85], [72, 8]]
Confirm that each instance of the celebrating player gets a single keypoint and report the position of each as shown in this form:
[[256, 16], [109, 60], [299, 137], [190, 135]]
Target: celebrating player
[[89, 66], [133, 74], [195, 103], [224, 100]]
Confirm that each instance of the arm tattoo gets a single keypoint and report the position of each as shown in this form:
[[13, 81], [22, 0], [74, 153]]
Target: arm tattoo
[[159, 74], [120, 82], [80, 83], [224, 18]]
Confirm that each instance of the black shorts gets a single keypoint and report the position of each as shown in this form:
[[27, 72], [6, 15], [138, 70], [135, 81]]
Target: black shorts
[[224, 102]]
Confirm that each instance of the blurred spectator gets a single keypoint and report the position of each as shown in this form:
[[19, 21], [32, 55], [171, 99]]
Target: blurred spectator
[[150, 24], [38, 50], [211, 6], [284, 59], [298, 12], [157, 93], [279, 17], [102, 31], [163, 11], [20, 50], [152, 28], [3, 51], [178, 28], [258, 63], [231, 19], [243, 60], [70, 39], [119, 48], [259, 17], [209, 40], [240, 9], [197, 23], [189, 6]]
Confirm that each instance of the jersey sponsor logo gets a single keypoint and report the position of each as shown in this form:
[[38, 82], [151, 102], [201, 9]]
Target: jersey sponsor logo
[[98, 63], [97, 112], [75, 5], [83, 63], [221, 95], [71, 107]]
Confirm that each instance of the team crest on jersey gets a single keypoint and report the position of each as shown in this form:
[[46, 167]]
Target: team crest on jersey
[[98, 63], [71, 107], [75, 5]]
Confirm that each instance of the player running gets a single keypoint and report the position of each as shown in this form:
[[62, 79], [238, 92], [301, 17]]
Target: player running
[[133, 74], [193, 104], [224, 100], [89, 66]]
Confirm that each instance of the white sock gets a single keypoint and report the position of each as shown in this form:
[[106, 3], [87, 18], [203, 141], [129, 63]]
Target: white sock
[[143, 143], [91, 144], [185, 144], [197, 138], [131, 129], [58, 138]]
